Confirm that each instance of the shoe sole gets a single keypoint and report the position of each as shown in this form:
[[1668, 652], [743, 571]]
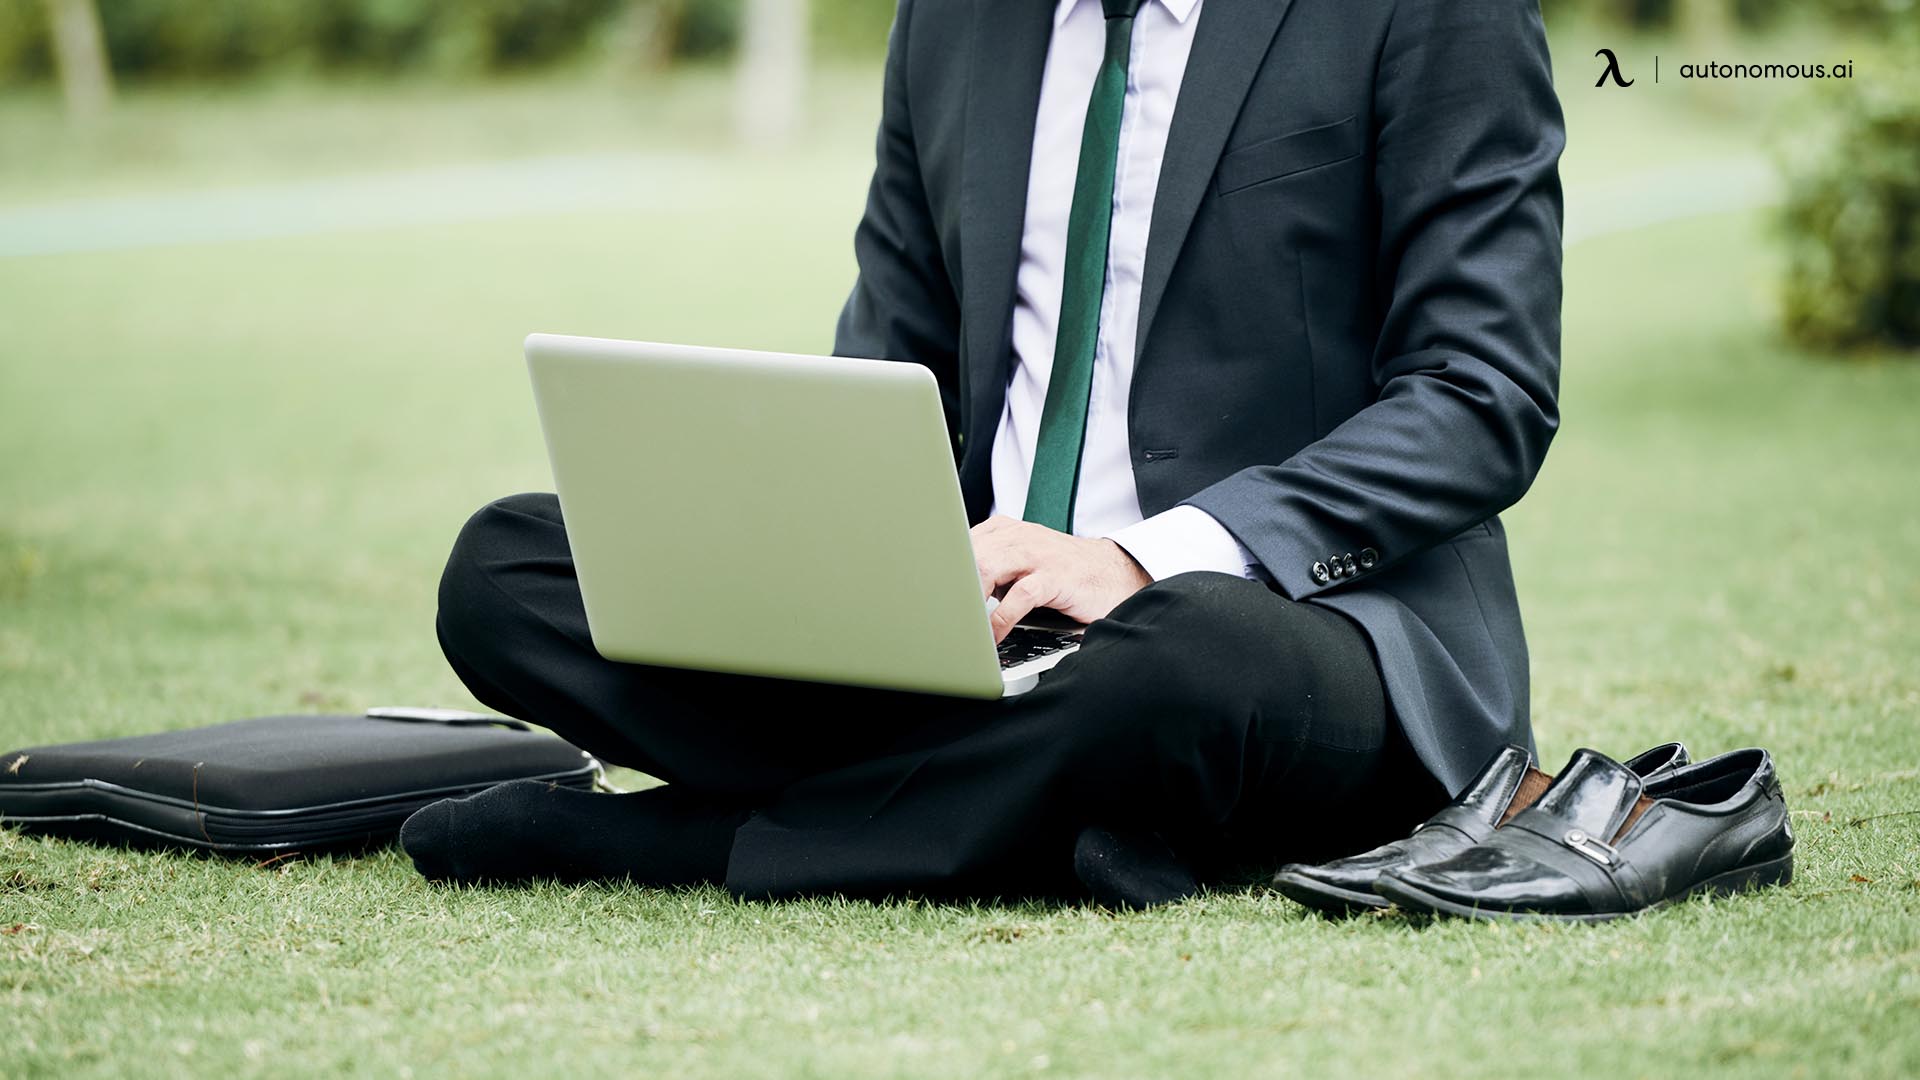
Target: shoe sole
[[1323, 897], [1745, 879]]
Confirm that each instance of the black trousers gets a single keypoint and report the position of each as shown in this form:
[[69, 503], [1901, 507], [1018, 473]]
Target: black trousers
[[1241, 727]]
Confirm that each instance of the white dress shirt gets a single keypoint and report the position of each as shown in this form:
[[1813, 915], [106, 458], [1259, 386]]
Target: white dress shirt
[[1105, 503]]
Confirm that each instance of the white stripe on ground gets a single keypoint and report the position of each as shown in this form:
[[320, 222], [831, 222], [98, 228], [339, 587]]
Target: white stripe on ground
[[562, 184], [545, 185], [1654, 196]]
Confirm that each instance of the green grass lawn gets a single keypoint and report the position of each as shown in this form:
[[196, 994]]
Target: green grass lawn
[[230, 473]]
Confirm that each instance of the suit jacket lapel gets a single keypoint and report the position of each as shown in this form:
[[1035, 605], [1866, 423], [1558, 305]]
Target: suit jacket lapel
[[1228, 46], [1007, 57]]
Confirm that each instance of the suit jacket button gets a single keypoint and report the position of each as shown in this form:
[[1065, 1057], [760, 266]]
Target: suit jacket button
[[1369, 558], [1333, 561], [1320, 573], [1347, 563]]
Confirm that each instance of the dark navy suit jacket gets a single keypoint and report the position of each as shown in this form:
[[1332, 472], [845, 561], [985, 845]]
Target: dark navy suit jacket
[[1350, 321]]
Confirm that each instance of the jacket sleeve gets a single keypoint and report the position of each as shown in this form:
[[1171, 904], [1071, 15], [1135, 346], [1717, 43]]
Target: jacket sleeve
[[1467, 141], [903, 305]]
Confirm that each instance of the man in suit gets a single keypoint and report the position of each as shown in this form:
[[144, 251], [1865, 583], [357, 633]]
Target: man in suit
[[1246, 319]]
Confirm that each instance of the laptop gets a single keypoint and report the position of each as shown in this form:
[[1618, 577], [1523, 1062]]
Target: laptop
[[796, 517]]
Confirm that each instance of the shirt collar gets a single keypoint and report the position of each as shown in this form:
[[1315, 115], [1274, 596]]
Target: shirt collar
[[1179, 9]]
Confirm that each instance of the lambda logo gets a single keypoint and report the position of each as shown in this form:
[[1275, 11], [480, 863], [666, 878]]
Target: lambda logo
[[1612, 70]]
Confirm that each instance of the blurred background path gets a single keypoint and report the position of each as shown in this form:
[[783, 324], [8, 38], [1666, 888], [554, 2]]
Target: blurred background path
[[573, 183], [446, 194]]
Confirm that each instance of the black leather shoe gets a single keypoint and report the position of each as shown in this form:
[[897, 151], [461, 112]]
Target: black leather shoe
[[1719, 826], [1507, 785]]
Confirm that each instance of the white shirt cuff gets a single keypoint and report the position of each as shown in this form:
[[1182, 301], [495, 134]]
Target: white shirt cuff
[[1182, 539]]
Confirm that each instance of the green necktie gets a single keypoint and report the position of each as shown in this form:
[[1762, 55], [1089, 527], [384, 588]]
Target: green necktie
[[1063, 421]]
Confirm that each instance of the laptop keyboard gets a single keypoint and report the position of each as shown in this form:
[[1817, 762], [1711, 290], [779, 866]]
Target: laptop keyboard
[[1026, 643]]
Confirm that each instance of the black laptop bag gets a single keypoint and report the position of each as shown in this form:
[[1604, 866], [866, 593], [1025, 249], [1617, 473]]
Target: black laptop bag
[[276, 783]]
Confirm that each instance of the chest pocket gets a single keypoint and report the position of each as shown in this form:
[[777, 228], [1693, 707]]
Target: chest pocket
[[1271, 159]]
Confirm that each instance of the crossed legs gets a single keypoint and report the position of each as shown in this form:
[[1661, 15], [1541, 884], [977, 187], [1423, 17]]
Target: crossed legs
[[1207, 711]]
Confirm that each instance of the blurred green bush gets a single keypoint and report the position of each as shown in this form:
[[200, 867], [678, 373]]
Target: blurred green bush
[[173, 39], [23, 41], [1852, 216], [217, 38]]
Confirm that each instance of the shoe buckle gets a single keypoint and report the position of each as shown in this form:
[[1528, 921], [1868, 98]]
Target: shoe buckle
[[1600, 852]]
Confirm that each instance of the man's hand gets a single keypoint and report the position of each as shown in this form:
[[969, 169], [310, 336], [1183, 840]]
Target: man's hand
[[1031, 566]]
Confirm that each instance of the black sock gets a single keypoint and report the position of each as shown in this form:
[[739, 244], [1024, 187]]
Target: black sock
[[532, 829], [1131, 870]]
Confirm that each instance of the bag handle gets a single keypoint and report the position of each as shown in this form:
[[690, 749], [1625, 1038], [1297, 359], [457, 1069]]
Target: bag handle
[[460, 718]]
